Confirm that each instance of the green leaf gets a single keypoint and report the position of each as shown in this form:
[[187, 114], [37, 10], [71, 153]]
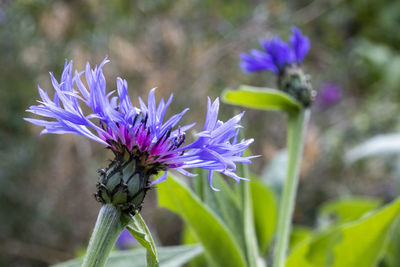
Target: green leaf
[[140, 231], [299, 234], [346, 209], [168, 256], [261, 98], [219, 245], [188, 237], [225, 204], [265, 213], [356, 243], [392, 257], [366, 238], [234, 208]]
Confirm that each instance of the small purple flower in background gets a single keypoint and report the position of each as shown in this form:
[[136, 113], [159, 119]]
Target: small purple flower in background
[[329, 95], [144, 143], [125, 240], [283, 59], [2, 16], [276, 54]]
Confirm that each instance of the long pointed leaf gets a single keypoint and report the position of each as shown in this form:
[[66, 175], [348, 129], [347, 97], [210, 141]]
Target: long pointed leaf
[[261, 98], [219, 246]]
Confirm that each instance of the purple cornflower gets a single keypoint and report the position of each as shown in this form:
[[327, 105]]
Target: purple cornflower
[[329, 95], [276, 54], [142, 140]]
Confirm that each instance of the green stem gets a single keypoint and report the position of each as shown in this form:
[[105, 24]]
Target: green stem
[[249, 231], [110, 223], [296, 127]]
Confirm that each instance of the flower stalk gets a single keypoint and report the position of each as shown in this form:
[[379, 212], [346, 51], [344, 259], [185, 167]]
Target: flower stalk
[[109, 225], [284, 60], [297, 125]]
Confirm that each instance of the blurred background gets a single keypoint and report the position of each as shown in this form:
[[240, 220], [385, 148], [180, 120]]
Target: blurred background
[[190, 48]]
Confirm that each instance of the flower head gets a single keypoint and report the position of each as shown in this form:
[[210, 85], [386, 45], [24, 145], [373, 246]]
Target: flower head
[[276, 54], [143, 140]]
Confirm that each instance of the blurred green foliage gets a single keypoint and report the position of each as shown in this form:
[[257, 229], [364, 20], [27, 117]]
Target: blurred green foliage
[[172, 256]]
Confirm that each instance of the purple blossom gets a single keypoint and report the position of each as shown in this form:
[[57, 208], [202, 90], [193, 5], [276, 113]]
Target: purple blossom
[[125, 240], [329, 95], [116, 123], [276, 53]]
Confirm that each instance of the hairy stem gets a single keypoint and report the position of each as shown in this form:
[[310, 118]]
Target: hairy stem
[[296, 127], [110, 223]]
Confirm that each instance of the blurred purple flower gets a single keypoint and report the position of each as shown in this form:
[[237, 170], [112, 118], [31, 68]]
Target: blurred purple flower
[[140, 132], [125, 240], [2, 16], [329, 95], [276, 53]]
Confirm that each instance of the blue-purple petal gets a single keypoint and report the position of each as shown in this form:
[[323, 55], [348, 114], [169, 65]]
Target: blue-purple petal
[[300, 44], [277, 54], [113, 117]]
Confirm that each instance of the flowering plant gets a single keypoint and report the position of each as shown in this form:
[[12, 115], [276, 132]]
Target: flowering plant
[[143, 143], [328, 246], [233, 227]]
